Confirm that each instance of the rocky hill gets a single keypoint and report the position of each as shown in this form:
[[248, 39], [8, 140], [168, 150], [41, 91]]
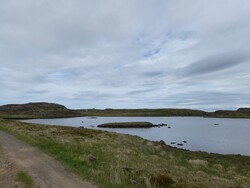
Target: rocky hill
[[244, 110], [41, 109]]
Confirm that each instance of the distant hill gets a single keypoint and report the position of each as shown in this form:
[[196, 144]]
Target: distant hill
[[241, 113], [52, 110], [244, 110], [35, 110]]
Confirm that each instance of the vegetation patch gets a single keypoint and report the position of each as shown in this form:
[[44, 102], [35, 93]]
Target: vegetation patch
[[24, 178], [161, 180], [198, 162], [127, 125]]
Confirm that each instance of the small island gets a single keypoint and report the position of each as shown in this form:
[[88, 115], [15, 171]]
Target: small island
[[127, 125]]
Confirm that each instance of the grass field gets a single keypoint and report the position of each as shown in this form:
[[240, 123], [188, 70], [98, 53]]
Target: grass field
[[129, 161]]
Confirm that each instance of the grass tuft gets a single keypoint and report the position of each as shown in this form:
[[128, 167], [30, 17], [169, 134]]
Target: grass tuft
[[24, 178]]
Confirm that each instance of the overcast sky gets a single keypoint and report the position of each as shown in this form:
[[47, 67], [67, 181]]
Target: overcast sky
[[126, 53]]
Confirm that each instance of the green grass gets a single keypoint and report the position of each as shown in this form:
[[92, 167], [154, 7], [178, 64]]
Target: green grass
[[129, 161], [127, 125], [24, 178]]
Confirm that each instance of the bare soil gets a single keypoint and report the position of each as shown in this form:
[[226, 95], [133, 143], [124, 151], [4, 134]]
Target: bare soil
[[8, 172], [45, 171]]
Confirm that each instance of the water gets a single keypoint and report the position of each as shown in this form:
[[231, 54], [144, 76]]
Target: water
[[214, 135]]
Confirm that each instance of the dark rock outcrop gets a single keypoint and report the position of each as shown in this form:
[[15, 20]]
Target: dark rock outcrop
[[162, 142]]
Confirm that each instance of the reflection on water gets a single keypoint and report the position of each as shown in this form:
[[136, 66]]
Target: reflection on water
[[225, 136]]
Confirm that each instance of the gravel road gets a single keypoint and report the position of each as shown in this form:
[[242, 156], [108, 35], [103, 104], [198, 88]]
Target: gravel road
[[43, 169]]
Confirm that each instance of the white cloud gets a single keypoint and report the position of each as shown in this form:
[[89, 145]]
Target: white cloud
[[115, 53]]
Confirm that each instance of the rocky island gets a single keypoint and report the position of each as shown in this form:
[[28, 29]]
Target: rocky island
[[127, 125]]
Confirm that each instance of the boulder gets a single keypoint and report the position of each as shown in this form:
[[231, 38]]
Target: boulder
[[91, 157]]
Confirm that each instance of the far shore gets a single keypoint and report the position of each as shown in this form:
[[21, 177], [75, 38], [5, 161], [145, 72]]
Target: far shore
[[45, 110]]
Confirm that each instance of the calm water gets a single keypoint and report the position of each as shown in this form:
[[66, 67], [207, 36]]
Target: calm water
[[225, 136]]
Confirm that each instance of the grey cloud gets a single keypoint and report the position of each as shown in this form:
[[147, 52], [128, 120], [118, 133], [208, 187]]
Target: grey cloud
[[92, 95], [36, 92], [139, 92], [214, 63], [199, 99], [153, 73]]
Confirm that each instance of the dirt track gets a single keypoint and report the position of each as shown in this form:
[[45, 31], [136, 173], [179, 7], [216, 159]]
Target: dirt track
[[44, 170]]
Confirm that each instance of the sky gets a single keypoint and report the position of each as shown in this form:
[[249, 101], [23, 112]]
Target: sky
[[126, 54]]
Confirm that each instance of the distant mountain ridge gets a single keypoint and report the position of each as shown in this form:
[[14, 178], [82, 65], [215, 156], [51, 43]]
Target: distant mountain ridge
[[53, 110]]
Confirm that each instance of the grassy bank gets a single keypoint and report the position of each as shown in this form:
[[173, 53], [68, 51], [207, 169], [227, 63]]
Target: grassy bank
[[127, 125], [115, 160]]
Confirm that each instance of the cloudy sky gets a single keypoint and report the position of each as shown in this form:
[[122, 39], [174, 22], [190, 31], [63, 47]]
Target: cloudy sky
[[126, 54]]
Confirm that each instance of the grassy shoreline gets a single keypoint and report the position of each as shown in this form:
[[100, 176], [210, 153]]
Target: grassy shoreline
[[127, 161]]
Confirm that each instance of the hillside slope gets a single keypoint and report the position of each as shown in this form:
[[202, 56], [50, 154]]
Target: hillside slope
[[35, 110], [240, 113]]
